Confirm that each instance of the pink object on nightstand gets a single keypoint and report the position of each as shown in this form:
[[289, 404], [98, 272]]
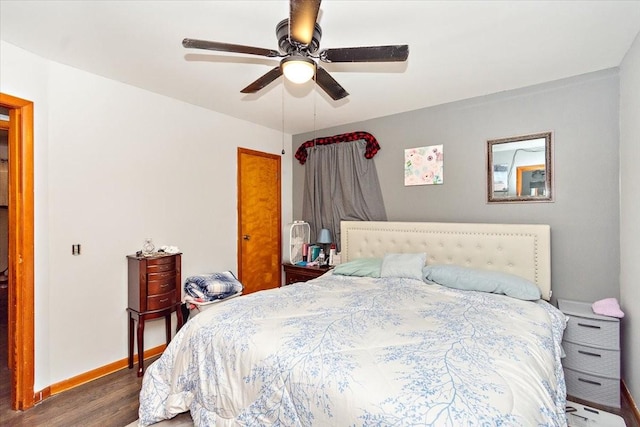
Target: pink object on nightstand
[[607, 307]]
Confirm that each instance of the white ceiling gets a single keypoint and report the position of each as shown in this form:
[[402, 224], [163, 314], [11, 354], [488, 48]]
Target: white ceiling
[[457, 50]]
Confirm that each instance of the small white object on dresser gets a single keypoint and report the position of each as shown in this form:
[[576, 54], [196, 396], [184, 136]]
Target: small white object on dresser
[[592, 346]]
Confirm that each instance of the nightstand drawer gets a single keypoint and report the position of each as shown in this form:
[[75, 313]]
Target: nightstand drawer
[[164, 275], [593, 332], [156, 287], [163, 259], [296, 273], [158, 302], [593, 360], [158, 268], [296, 277], [605, 391]]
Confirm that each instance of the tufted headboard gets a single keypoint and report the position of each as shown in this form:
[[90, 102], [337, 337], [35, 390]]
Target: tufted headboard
[[521, 249]]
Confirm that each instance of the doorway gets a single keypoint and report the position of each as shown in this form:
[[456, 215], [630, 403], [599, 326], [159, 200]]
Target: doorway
[[530, 180], [259, 220], [20, 333], [5, 372]]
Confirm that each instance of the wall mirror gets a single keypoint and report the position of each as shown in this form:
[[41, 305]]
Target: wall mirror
[[519, 169]]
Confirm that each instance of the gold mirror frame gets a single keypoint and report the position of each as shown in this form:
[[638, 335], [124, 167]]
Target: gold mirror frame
[[519, 169]]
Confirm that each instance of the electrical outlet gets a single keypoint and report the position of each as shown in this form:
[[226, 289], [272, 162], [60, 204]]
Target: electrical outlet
[[75, 249]]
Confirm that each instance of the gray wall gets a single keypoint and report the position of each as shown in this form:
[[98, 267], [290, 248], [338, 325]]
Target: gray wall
[[583, 114]]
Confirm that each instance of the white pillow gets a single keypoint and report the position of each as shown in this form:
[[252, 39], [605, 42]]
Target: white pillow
[[403, 265]]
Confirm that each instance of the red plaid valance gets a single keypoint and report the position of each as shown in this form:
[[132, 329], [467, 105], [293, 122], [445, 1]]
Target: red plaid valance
[[371, 149]]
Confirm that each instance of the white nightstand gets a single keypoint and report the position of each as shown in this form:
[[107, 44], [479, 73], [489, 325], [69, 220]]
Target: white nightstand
[[592, 346]]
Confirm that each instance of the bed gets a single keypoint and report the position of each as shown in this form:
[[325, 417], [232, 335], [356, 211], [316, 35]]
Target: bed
[[364, 350]]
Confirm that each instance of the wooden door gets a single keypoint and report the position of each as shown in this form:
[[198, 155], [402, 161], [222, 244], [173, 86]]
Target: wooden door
[[259, 223]]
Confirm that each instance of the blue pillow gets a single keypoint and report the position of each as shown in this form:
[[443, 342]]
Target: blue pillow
[[403, 265], [362, 267], [471, 279]]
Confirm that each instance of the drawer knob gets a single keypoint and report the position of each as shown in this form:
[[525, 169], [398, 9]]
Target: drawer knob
[[586, 325], [588, 353], [164, 300]]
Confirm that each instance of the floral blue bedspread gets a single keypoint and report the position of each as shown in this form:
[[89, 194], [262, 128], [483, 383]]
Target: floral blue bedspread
[[347, 351]]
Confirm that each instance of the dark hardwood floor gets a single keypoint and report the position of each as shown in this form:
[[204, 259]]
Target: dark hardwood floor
[[112, 401]]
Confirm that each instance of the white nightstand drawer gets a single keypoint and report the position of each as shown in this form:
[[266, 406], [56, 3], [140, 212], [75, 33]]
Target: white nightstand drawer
[[605, 391], [593, 360], [593, 332]]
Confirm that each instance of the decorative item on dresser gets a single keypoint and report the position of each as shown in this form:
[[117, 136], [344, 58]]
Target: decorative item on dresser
[[154, 291], [592, 346], [297, 273]]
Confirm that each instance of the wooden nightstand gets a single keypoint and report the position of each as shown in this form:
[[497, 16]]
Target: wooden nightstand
[[154, 291], [296, 273], [592, 346]]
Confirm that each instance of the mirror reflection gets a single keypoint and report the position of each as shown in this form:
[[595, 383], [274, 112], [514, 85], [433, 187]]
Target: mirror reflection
[[519, 169]]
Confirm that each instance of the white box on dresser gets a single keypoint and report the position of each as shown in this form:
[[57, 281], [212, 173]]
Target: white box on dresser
[[592, 346]]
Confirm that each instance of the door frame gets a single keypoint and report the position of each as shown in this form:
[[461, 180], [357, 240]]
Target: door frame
[[21, 252]]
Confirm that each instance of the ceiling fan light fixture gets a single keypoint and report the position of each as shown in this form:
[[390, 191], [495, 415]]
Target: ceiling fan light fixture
[[298, 69]]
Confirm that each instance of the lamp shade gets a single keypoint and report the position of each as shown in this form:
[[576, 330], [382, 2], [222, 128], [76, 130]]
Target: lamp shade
[[298, 69], [324, 237]]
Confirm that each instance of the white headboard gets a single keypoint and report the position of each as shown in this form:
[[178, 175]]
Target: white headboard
[[521, 249]]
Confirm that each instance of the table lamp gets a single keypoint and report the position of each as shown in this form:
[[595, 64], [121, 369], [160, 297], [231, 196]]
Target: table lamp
[[324, 239]]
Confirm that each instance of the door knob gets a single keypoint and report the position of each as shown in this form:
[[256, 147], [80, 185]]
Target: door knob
[[246, 237]]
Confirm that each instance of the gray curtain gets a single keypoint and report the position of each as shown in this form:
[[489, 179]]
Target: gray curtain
[[340, 184]]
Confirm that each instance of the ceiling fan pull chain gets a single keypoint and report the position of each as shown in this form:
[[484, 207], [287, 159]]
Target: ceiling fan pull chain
[[315, 94], [283, 83]]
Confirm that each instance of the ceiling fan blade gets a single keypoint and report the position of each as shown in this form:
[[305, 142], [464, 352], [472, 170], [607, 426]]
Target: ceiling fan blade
[[263, 81], [302, 20], [392, 53], [227, 47], [329, 85]]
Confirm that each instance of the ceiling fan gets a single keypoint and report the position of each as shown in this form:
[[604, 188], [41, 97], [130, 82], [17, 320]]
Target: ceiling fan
[[298, 42]]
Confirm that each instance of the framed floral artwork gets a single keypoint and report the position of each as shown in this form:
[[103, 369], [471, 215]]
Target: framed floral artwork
[[423, 165]]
